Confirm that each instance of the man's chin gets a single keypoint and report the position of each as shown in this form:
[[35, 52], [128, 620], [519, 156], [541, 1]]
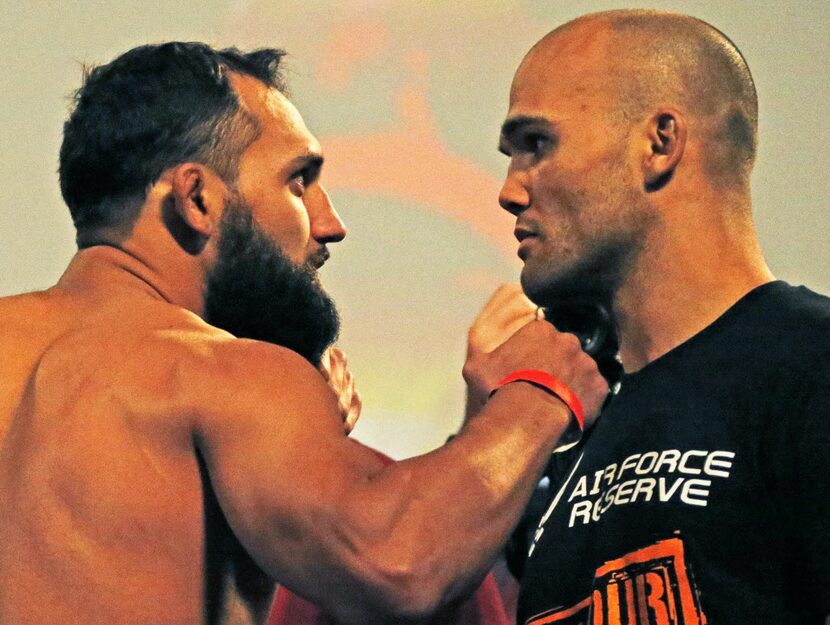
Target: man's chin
[[553, 287], [541, 287]]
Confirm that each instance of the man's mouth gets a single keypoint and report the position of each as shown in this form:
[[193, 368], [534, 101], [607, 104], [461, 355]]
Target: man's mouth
[[526, 238], [317, 259], [522, 233]]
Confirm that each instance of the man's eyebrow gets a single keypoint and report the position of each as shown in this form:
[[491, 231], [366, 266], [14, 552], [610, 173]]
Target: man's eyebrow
[[514, 124], [311, 160]]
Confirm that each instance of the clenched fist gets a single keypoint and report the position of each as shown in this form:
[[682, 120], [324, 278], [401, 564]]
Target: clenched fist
[[507, 337], [507, 311]]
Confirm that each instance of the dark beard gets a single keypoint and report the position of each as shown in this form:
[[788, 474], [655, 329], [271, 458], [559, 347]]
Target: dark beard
[[256, 292]]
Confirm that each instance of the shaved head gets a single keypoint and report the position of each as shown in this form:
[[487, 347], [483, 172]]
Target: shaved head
[[651, 59]]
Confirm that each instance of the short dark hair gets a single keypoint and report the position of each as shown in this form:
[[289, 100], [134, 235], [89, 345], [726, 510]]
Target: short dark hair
[[150, 109]]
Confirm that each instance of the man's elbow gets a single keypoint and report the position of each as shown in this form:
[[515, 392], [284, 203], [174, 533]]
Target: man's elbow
[[404, 591]]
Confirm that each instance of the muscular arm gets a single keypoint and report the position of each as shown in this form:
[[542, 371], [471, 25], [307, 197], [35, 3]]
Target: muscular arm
[[320, 513]]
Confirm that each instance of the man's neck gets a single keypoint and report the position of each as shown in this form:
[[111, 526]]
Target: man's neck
[[681, 287], [104, 269]]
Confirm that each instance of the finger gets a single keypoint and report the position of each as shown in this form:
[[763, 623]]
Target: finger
[[488, 334], [502, 310], [504, 294], [325, 365], [508, 317], [518, 300], [518, 323], [338, 355], [347, 405], [339, 367], [354, 411], [492, 334]]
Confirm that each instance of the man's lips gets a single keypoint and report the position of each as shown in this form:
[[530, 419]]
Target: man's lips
[[525, 237], [522, 233]]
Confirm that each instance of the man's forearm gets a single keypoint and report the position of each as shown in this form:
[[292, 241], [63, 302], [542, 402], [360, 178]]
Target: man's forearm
[[444, 516]]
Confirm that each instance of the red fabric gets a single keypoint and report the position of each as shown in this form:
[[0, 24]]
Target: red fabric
[[289, 609], [485, 607]]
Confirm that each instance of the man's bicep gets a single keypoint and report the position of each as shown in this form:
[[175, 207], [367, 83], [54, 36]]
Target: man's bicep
[[280, 463]]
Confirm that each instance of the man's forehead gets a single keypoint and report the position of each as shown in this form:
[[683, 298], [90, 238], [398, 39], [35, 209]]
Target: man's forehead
[[275, 113], [565, 64], [584, 37]]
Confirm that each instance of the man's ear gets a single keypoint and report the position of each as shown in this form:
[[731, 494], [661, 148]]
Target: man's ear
[[198, 198], [667, 132]]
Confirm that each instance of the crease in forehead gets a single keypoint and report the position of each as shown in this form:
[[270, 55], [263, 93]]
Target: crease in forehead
[[274, 113]]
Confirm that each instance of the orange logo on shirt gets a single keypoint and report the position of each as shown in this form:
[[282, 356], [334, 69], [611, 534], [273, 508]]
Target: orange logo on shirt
[[650, 586]]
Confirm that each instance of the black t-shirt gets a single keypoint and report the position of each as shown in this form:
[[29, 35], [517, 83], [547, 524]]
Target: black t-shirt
[[701, 495]]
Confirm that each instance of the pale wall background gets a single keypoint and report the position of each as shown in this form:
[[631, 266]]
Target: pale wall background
[[407, 98]]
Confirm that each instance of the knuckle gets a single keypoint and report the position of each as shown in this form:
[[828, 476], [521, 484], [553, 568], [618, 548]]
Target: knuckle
[[571, 341], [540, 327]]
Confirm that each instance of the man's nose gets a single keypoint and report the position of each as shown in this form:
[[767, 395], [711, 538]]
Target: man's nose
[[514, 197], [326, 225]]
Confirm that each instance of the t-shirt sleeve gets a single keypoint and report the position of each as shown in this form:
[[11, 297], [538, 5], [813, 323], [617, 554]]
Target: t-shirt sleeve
[[809, 480]]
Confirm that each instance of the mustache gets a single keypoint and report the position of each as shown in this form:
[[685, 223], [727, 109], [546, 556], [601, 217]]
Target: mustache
[[317, 259]]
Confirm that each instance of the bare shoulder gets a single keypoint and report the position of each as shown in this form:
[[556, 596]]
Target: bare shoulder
[[174, 356], [158, 365], [214, 380], [28, 325], [230, 384], [24, 310]]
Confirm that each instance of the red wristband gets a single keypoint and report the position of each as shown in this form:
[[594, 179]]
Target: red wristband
[[553, 385]]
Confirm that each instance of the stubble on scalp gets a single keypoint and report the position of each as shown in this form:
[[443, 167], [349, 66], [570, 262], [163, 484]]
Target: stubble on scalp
[[657, 58]]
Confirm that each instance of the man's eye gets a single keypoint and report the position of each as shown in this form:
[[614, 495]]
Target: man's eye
[[535, 143], [298, 182]]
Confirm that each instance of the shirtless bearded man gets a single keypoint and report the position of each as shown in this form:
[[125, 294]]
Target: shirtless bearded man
[[163, 460]]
